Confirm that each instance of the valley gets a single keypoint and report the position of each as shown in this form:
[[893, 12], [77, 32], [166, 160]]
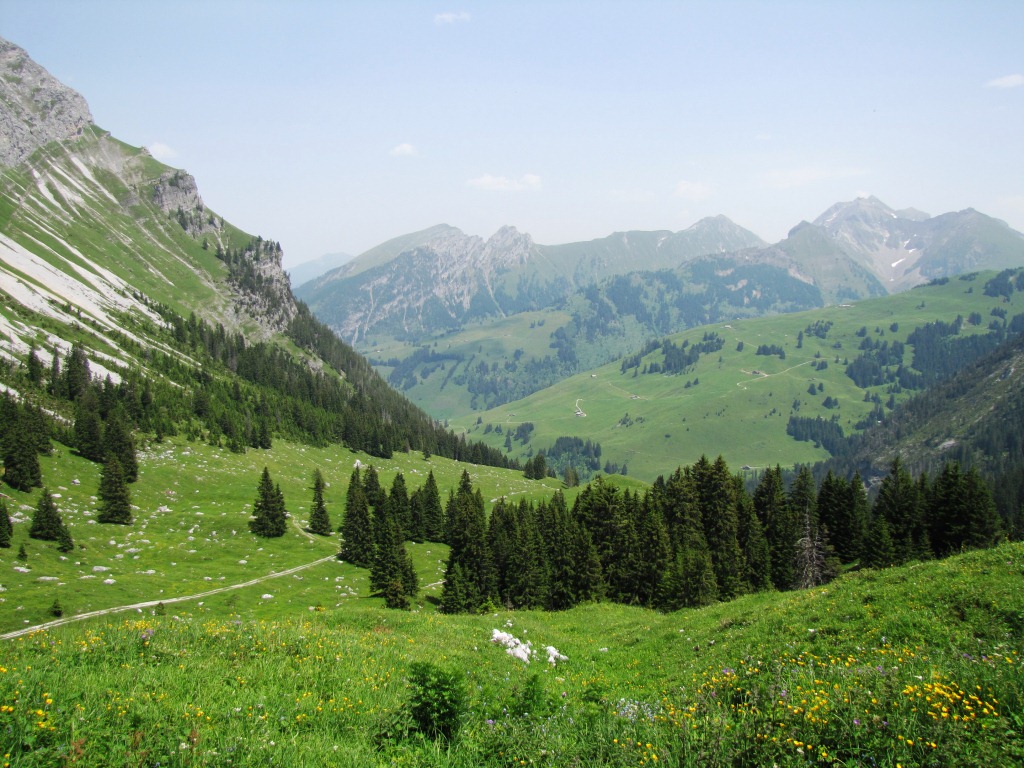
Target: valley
[[633, 501]]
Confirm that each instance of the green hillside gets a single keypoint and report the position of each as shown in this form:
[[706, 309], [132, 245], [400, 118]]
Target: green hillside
[[913, 666], [734, 401]]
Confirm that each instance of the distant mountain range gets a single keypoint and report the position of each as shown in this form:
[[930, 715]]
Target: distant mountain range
[[312, 269], [438, 279]]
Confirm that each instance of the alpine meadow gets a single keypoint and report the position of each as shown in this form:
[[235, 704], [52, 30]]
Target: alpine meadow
[[660, 498]]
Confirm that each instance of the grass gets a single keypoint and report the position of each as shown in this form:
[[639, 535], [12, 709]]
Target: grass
[[914, 666], [653, 423], [190, 533]]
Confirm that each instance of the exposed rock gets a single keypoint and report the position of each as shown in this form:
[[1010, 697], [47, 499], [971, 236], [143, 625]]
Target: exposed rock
[[35, 108]]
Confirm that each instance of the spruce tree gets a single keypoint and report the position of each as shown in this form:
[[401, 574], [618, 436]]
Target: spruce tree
[[899, 502], [376, 496], [400, 508], [469, 559], [269, 514], [21, 458], [757, 573], [357, 545], [432, 511], [118, 440], [46, 520], [781, 527], [319, 521], [89, 428], [64, 540], [984, 527], [878, 546], [716, 497], [115, 498], [6, 529]]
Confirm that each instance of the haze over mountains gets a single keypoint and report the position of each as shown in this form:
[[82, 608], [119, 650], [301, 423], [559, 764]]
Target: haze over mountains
[[439, 278]]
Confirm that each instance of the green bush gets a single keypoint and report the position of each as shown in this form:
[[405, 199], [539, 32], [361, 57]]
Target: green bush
[[438, 700]]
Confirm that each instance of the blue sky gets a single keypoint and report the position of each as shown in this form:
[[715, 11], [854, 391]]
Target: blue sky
[[333, 126]]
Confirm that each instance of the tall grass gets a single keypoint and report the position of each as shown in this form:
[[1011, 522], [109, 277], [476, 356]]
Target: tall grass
[[914, 666]]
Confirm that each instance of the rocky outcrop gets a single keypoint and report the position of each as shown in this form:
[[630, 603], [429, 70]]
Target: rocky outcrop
[[35, 108]]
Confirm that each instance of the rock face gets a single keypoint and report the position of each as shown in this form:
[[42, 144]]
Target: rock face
[[35, 108]]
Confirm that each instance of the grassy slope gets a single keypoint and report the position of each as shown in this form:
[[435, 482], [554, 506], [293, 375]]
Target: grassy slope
[[190, 534], [732, 411], [914, 666]]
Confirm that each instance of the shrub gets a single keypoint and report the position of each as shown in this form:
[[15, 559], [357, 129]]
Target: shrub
[[438, 700]]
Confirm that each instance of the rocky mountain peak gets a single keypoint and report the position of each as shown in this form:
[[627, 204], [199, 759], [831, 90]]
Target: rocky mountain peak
[[35, 107]]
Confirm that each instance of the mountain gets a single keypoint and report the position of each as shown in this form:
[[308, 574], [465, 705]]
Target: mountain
[[435, 281], [111, 259], [312, 269], [906, 248], [441, 278]]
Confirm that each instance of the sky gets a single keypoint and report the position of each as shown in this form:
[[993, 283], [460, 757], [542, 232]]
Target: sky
[[335, 126]]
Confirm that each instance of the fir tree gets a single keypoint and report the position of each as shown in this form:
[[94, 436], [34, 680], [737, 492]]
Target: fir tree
[[400, 508], [115, 498], [716, 497], [269, 514], [21, 458], [76, 374], [46, 520], [757, 573], [432, 511], [357, 528], [470, 570], [781, 526], [878, 548], [89, 428], [376, 496], [6, 529], [984, 528], [34, 369], [118, 440], [899, 502], [319, 521]]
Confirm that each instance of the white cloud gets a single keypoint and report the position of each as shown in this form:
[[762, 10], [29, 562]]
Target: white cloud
[[505, 184], [451, 17], [801, 177], [403, 150], [161, 151], [693, 190], [1009, 81]]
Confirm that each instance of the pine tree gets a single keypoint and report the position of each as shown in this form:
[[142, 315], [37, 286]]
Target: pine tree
[[118, 440], [781, 526], [21, 458], [469, 559], [689, 580], [115, 498], [757, 573], [34, 369], [400, 507], [432, 511], [716, 498], [46, 520], [6, 529], [319, 521], [89, 428], [984, 528], [376, 496], [64, 541], [899, 502], [269, 514], [357, 528], [878, 548], [77, 376]]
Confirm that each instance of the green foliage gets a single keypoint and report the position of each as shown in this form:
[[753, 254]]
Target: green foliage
[[46, 520], [358, 545], [319, 521], [269, 517], [115, 497], [437, 700], [6, 529]]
